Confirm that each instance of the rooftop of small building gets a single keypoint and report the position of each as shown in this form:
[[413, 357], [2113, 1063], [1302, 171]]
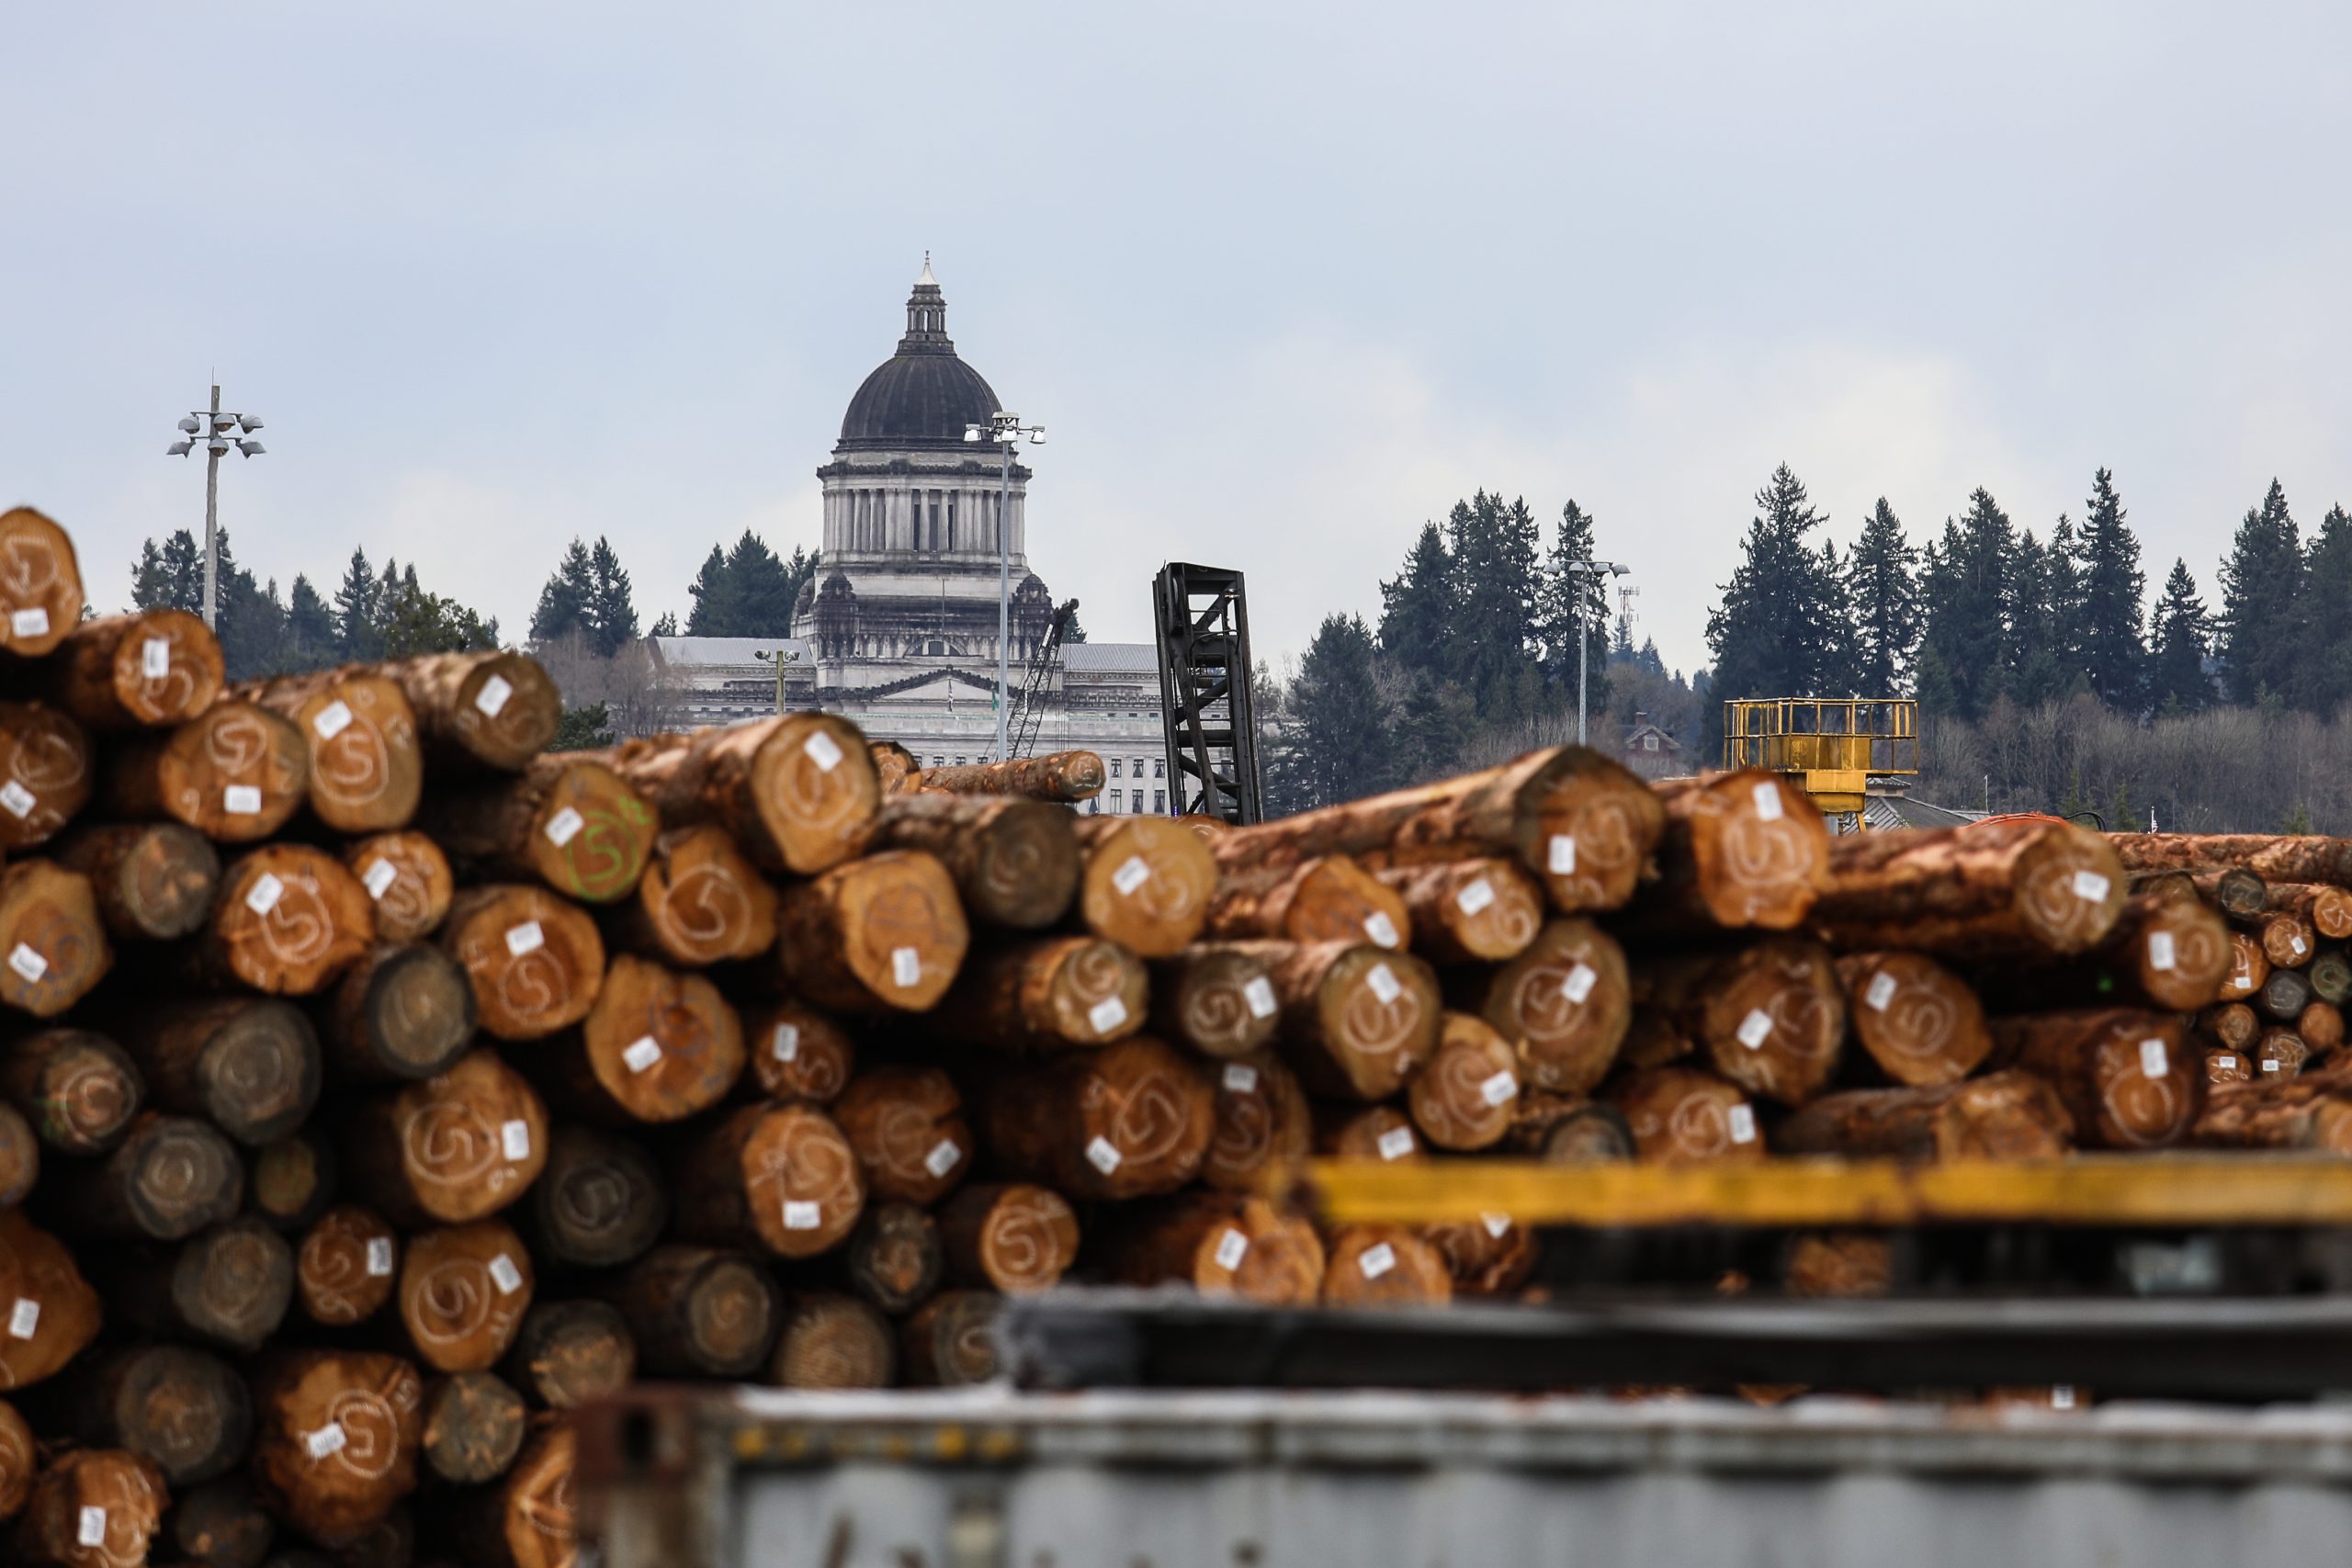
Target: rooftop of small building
[[695, 650], [1121, 656]]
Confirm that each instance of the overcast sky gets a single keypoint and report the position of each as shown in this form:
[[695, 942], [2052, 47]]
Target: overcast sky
[[1282, 280]]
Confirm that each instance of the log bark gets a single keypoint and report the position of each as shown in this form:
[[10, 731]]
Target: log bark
[[462, 1293], [2005, 1116], [1839, 1265], [1473, 912], [534, 959], [366, 757], [1356, 1021], [894, 766], [409, 878], [345, 1269], [780, 1178], [599, 1204], [2232, 1024], [1130, 1119], [229, 1285], [1221, 1243], [144, 670], [403, 1011], [2308, 1113], [222, 1525], [1066, 776], [168, 1178], [1385, 1266], [1564, 1005], [1380, 1132], [1565, 1129], [1045, 994], [2128, 1077], [185, 1410], [2328, 909], [799, 792], [1467, 1096], [699, 1312], [1680, 1117], [494, 710], [907, 1128], [19, 1157], [294, 1179], [153, 881], [458, 1147], [1147, 883], [573, 824], [54, 949], [474, 1428], [2236, 892], [1329, 899], [2165, 954], [883, 932], [65, 1312], [699, 902], [2322, 1027], [527, 1520], [797, 1053], [40, 586], [250, 1066], [896, 1258], [91, 1508], [335, 1439], [832, 1341], [569, 1353], [288, 922], [1219, 1002], [17, 1462], [2248, 969], [2280, 857], [1919, 1021], [1490, 1257], [47, 767], [2279, 1053], [1015, 862], [78, 1090], [659, 1045], [951, 1341], [2020, 886], [1262, 1122], [1013, 1237], [236, 772], [2223, 1066]]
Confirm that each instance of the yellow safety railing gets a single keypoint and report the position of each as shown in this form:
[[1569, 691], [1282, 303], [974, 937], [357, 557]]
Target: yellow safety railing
[[1832, 747]]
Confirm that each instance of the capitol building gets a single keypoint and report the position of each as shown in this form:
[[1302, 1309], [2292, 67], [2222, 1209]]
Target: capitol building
[[898, 629]]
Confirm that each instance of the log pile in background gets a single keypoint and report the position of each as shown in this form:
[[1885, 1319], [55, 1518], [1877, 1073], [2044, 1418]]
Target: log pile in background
[[379, 1088]]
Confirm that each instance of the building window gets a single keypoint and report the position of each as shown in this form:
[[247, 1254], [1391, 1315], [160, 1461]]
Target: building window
[[1138, 767], [939, 762], [1159, 767], [1160, 801], [1115, 773], [959, 762], [1649, 742]]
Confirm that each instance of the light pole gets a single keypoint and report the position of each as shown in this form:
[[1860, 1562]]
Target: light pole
[[1006, 430], [1587, 570], [212, 428]]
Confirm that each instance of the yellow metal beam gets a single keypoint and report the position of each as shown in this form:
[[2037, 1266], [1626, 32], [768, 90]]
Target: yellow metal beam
[[2118, 1189]]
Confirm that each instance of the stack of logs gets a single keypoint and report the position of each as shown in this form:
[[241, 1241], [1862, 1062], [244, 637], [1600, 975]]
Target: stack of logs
[[382, 1087]]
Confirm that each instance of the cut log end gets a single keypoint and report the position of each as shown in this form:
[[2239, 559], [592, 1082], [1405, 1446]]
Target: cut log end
[[53, 948], [474, 1428], [41, 594], [1483, 912], [1376, 1018], [833, 1342], [951, 1341], [499, 709], [701, 901], [886, 930], [797, 1053], [1147, 883], [814, 785], [535, 961], [700, 1310], [456, 1147], [663, 1044], [1385, 1266], [345, 1269], [1263, 1122], [1014, 1237], [462, 1293], [289, 919], [1919, 1021], [409, 879], [2128, 1078], [151, 668], [600, 1203], [1566, 1005], [236, 772], [1756, 849], [1679, 1117], [47, 773], [154, 882], [907, 1127], [1775, 1018], [569, 1353], [1221, 1003], [591, 833], [406, 1010], [93, 1508], [1467, 1096], [366, 756], [895, 1259]]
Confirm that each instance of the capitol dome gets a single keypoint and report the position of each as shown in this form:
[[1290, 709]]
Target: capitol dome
[[922, 395]]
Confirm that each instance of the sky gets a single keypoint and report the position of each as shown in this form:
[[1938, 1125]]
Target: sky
[[1281, 281]]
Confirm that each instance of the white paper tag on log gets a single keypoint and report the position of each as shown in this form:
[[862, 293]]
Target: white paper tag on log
[[333, 720], [2295, 945], [1106, 1015], [90, 1527], [2090, 886], [155, 658], [2270, 1063], [1133, 872], [642, 1053], [515, 1139], [1496, 1224], [1741, 1120], [1475, 897], [327, 1440], [2153, 1062], [1259, 994], [264, 894], [2227, 1064], [379, 877], [28, 962], [1102, 1155], [493, 696], [1377, 1260], [18, 800], [823, 750], [1579, 983], [802, 1215], [525, 937], [1766, 797], [1383, 984], [23, 1318], [906, 966], [379, 1257], [1497, 1089], [1754, 1029], [564, 826], [1231, 1249], [2062, 1396], [2160, 951], [1880, 992], [504, 1275], [1395, 1143], [943, 1156], [786, 1044], [241, 800], [29, 623], [1383, 931], [1562, 857], [1240, 1079]]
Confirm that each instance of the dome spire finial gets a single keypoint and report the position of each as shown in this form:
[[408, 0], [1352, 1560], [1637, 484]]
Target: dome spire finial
[[926, 277], [926, 316]]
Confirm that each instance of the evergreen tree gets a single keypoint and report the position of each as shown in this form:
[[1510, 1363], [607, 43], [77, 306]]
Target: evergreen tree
[[585, 728], [1880, 581], [355, 612], [1967, 603], [801, 569], [170, 577], [2261, 643], [2106, 624], [1072, 631], [1343, 734], [612, 613], [1435, 718], [1567, 600], [666, 626], [2176, 678], [2037, 670], [1417, 609], [709, 590], [568, 601], [1776, 633], [2324, 679], [310, 629], [747, 591], [1495, 546]]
